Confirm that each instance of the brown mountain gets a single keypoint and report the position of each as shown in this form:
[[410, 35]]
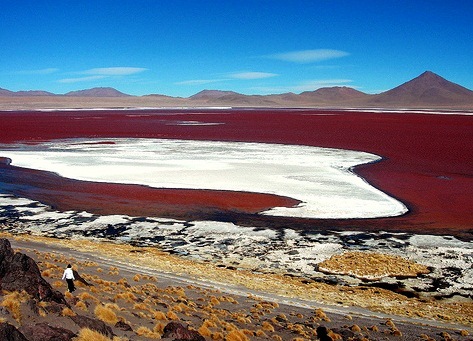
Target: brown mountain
[[7, 93], [426, 90], [97, 92], [334, 94], [209, 95]]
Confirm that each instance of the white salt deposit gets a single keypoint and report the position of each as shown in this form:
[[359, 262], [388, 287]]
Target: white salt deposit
[[321, 178], [258, 249]]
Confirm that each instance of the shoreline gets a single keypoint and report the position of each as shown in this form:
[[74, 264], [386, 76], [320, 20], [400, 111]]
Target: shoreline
[[371, 301], [259, 249]]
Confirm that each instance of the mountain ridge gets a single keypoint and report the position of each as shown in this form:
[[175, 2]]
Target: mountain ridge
[[426, 90]]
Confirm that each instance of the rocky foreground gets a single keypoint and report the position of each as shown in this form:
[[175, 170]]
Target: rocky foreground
[[120, 302]]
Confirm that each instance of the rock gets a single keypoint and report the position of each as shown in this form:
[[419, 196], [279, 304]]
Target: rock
[[8, 332], [94, 324], [322, 333], [177, 331], [123, 326], [45, 332], [19, 272]]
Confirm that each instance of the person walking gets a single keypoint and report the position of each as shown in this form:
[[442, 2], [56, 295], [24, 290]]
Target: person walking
[[69, 277]]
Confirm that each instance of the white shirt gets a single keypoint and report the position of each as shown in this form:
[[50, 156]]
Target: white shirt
[[68, 274]]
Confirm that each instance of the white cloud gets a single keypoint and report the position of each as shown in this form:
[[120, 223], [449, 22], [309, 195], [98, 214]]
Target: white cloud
[[252, 75], [309, 56], [114, 71], [81, 79], [309, 85]]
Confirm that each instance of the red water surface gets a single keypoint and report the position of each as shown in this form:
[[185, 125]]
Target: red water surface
[[428, 158]]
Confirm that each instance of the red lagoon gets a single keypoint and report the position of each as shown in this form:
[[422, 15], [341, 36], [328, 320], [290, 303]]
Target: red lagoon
[[428, 163]]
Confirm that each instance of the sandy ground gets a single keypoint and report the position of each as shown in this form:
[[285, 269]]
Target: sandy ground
[[260, 306]]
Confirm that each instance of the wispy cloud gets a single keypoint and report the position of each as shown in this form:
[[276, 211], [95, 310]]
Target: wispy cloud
[[308, 56], [252, 75], [81, 79], [101, 73], [309, 85], [46, 71], [114, 71]]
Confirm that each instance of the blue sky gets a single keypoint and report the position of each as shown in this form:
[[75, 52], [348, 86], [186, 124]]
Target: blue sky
[[180, 47]]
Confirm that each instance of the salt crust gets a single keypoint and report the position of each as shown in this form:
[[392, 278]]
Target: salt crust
[[321, 178], [256, 249]]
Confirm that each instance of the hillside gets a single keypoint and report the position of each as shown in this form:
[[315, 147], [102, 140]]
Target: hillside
[[428, 91]]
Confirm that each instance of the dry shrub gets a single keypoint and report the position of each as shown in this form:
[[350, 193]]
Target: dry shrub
[[214, 300], [267, 327], [210, 324], [260, 333], [276, 337], [69, 295], [46, 273], [81, 305], [319, 313], [159, 328], [204, 331], [137, 277], [12, 302], [236, 335], [172, 315], [146, 332], [113, 306], [355, 328], [68, 312], [160, 316], [217, 336], [127, 296], [84, 296], [105, 314], [58, 284], [140, 306], [86, 334]]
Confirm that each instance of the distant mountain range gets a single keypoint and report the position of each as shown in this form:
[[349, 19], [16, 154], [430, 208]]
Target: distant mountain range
[[428, 90]]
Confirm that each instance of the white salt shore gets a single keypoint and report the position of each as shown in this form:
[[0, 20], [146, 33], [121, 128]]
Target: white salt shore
[[321, 178]]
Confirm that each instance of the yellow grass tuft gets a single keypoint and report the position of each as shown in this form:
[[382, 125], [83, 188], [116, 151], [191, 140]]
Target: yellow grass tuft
[[12, 302], [159, 328], [81, 305], [146, 332], [236, 335], [68, 312], [46, 273], [84, 296], [172, 315], [355, 328], [86, 334], [260, 333], [204, 331], [160, 316], [320, 314], [105, 314], [58, 284], [267, 327], [140, 306]]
